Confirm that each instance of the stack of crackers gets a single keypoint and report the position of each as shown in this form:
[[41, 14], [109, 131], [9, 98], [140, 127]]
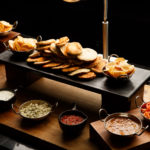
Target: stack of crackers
[[69, 57]]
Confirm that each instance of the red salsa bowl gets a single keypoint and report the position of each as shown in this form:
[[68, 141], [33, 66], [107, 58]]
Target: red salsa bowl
[[72, 121]]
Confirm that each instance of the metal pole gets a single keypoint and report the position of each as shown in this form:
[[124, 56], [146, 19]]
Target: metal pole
[[105, 24]]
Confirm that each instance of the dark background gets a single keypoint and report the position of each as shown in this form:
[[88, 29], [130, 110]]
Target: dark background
[[129, 23]]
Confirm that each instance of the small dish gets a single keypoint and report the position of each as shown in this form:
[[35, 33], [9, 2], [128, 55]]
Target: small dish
[[23, 51], [122, 77], [7, 97], [7, 32], [122, 124], [34, 109], [72, 128]]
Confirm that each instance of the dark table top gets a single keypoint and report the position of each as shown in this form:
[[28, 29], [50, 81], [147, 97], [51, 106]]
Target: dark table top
[[100, 84]]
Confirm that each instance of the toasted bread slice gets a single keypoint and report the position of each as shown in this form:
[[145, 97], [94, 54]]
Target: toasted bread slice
[[74, 48], [89, 75], [71, 69], [42, 62], [79, 71], [34, 54], [87, 55], [99, 67], [94, 63], [62, 41], [51, 64], [61, 66], [39, 59], [47, 42], [64, 50], [43, 47]]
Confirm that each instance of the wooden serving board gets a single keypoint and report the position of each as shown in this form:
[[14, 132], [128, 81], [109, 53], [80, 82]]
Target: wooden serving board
[[102, 137], [44, 134]]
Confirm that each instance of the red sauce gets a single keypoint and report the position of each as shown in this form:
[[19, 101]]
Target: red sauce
[[71, 119]]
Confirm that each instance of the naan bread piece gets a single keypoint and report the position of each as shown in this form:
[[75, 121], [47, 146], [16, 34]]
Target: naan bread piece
[[52, 64], [62, 41], [94, 63], [89, 75], [34, 54], [74, 48], [42, 62], [64, 50], [87, 55], [99, 67], [39, 59], [47, 42], [43, 47], [61, 66], [56, 50], [71, 69], [79, 71]]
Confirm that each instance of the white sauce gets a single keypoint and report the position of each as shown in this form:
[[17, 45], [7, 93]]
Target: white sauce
[[6, 95]]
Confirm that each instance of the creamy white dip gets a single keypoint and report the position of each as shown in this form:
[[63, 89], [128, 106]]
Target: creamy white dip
[[6, 95]]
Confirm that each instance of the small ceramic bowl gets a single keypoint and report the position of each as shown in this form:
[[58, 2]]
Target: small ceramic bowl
[[75, 128], [6, 101], [18, 110], [22, 54], [7, 32]]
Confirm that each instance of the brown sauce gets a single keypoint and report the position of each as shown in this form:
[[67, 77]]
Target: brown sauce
[[122, 126]]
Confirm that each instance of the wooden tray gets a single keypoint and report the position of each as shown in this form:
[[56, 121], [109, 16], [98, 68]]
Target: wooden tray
[[102, 137], [45, 134]]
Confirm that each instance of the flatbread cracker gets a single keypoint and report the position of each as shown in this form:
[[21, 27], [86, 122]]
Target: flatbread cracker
[[87, 55], [39, 59], [47, 42], [89, 75], [35, 54], [42, 62], [62, 41], [71, 69], [79, 71], [50, 65], [99, 67], [94, 63], [61, 66], [43, 47], [74, 48]]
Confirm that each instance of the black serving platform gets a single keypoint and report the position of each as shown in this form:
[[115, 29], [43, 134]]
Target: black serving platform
[[102, 85]]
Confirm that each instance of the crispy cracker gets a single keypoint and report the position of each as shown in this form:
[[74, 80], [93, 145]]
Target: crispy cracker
[[87, 55], [99, 67], [79, 71], [89, 75], [47, 42], [52, 64], [39, 59], [61, 66]]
